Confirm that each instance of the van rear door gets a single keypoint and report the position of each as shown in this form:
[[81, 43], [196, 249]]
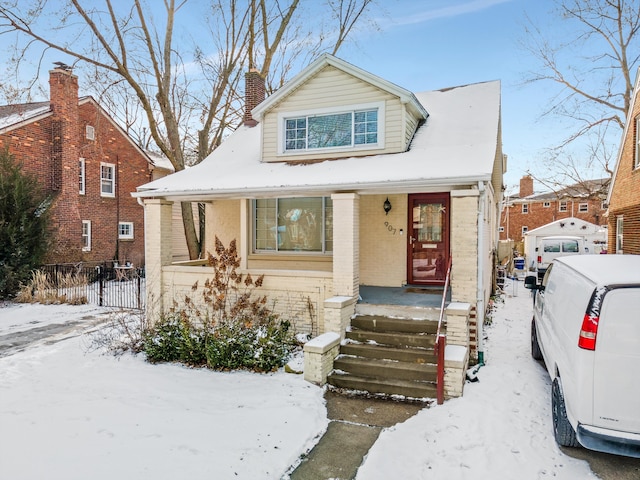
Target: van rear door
[[616, 382]]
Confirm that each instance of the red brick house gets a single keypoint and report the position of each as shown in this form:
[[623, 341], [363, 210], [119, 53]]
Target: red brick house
[[624, 192], [88, 165], [528, 210]]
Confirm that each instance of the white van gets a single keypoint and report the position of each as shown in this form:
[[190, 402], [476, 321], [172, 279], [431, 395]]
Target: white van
[[586, 328], [549, 248]]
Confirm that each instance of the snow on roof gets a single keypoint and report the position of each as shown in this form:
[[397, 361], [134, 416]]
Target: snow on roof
[[456, 145], [159, 160], [14, 114]]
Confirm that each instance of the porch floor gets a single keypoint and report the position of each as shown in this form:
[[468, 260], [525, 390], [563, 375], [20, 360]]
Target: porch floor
[[410, 295]]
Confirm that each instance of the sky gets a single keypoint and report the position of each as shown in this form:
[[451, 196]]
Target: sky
[[427, 45], [434, 44], [85, 414]]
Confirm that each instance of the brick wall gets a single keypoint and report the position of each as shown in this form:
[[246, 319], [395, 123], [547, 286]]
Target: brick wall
[[513, 219], [50, 149], [625, 197]]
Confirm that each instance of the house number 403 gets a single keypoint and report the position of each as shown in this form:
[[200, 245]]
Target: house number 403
[[390, 227]]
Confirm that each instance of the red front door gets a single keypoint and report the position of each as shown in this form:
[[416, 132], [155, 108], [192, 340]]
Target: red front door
[[428, 238]]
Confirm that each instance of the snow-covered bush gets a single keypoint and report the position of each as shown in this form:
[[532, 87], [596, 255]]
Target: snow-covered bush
[[234, 330]]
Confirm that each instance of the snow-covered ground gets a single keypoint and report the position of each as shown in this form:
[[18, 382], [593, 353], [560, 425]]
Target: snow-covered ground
[[500, 429], [66, 413], [69, 414]]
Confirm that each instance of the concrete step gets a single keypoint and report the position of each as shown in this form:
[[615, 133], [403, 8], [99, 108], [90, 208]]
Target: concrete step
[[379, 369], [378, 323], [419, 340], [405, 388], [410, 355]]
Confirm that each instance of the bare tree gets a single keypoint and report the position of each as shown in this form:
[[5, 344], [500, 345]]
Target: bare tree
[[593, 69], [132, 53]]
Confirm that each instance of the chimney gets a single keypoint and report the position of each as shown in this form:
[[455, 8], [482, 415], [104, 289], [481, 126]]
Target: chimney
[[63, 92], [65, 151], [526, 186], [254, 94]]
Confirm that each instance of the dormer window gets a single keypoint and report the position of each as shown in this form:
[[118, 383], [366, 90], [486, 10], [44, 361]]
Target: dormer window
[[352, 127]]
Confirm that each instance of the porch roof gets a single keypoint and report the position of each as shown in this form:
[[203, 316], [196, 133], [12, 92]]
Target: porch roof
[[456, 146]]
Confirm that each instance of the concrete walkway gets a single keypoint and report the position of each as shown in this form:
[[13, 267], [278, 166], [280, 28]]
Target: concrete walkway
[[354, 426]]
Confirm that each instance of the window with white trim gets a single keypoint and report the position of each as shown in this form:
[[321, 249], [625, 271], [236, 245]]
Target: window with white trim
[[86, 235], [525, 208], [82, 179], [107, 180], [562, 206], [354, 127], [636, 143], [90, 132], [583, 207], [619, 235], [525, 229], [293, 225], [125, 230]]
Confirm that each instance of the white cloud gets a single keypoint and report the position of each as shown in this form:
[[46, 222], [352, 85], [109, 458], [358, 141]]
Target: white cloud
[[446, 12]]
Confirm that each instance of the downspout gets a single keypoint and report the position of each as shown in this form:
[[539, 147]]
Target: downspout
[[480, 276]]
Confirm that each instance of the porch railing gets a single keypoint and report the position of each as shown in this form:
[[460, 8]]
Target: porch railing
[[441, 340]]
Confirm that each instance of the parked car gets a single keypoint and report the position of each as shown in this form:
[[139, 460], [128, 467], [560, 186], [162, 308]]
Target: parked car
[[586, 328], [549, 248]]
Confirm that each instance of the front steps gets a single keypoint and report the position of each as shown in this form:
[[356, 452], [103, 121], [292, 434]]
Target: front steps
[[387, 356]]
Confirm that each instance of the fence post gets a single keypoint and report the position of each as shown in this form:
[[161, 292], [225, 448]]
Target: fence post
[[139, 288], [101, 284]]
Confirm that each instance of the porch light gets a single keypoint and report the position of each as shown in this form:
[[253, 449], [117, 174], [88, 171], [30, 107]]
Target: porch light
[[386, 206]]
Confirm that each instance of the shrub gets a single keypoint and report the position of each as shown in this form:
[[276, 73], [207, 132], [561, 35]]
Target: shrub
[[235, 330], [23, 225]]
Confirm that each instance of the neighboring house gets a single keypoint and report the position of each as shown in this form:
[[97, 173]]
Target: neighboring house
[[594, 236], [528, 210], [624, 193], [88, 165], [338, 180]]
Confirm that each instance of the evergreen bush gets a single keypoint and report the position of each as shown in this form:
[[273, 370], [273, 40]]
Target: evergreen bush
[[23, 225]]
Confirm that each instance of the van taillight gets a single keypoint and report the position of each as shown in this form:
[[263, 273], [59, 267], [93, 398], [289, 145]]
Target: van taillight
[[539, 259], [588, 332]]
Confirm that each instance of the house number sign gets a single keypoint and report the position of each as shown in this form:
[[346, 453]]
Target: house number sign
[[390, 227]]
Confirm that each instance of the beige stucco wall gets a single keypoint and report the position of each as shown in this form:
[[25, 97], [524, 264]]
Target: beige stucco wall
[[383, 247]]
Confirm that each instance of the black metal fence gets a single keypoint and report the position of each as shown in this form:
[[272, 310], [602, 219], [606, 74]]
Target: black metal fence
[[104, 284]]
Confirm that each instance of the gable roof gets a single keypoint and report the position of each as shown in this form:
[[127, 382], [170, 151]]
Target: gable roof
[[441, 155], [628, 124], [326, 59], [20, 114]]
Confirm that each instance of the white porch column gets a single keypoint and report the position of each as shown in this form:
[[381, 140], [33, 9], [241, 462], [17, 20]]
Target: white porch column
[[158, 251], [346, 244]]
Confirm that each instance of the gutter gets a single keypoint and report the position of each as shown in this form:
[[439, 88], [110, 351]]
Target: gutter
[[480, 291], [399, 186]]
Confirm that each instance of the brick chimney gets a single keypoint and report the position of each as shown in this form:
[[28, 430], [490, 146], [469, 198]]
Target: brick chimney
[[526, 186], [65, 152], [254, 94]]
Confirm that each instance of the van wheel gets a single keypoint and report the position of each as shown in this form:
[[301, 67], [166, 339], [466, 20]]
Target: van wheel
[[536, 353], [562, 430]]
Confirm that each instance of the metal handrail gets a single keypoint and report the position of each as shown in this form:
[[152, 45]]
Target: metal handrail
[[441, 340]]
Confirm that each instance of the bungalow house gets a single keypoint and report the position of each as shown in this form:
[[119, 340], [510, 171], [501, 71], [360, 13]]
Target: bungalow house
[[624, 191], [88, 165], [341, 183]]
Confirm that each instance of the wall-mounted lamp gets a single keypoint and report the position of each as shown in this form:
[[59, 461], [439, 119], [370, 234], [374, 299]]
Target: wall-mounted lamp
[[386, 206]]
